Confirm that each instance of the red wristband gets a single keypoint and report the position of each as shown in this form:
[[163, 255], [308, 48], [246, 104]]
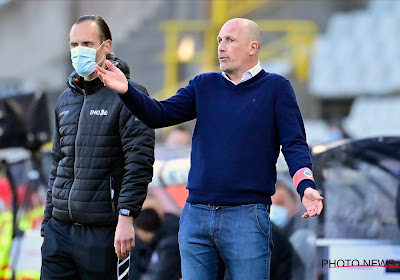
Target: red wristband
[[302, 174]]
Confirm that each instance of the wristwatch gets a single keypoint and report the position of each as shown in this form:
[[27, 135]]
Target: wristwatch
[[125, 212]]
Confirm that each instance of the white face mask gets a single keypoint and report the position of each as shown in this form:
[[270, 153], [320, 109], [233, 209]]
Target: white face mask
[[278, 215], [84, 59]]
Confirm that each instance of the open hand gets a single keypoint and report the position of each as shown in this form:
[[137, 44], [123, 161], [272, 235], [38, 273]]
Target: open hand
[[114, 79], [312, 201]]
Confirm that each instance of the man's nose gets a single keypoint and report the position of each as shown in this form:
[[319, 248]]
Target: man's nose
[[221, 47]]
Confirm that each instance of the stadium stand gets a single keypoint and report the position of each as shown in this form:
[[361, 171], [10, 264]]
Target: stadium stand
[[358, 58], [361, 50], [374, 116]]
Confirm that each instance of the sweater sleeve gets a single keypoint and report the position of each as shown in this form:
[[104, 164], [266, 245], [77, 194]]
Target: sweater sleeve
[[291, 133], [179, 108]]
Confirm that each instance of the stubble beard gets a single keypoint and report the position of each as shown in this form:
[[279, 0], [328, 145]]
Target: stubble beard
[[228, 69]]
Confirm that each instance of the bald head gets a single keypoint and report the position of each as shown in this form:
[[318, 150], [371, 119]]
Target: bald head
[[248, 27]]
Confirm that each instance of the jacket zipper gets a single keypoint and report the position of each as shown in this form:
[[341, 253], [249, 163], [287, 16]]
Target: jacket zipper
[[76, 138]]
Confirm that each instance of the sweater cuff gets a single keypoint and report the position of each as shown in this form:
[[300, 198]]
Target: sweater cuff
[[131, 89], [304, 185]]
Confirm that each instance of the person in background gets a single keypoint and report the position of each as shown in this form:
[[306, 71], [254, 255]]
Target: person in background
[[164, 261], [244, 116], [141, 255], [336, 131], [177, 137], [285, 262], [102, 163], [284, 209]]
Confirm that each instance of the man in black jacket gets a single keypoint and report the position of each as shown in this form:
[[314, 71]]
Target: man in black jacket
[[102, 161]]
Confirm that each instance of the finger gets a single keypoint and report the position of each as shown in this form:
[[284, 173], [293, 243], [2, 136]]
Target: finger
[[305, 215], [310, 213], [119, 255], [125, 250], [110, 65], [317, 195], [99, 69], [123, 246], [318, 209], [124, 256], [117, 246], [100, 76], [312, 209]]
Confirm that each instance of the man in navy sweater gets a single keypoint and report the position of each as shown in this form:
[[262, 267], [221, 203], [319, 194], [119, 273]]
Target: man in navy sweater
[[244, 115]]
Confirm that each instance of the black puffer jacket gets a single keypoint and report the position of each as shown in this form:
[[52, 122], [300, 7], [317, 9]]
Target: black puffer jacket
[[102, 157]]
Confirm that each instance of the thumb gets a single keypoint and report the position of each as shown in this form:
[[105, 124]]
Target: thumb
[[318, 196]]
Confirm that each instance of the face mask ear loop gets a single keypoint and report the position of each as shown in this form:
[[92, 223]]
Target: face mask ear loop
[[103, 55], [101, 60]]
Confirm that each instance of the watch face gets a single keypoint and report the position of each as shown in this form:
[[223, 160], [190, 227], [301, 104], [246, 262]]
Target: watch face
[[124, 212]]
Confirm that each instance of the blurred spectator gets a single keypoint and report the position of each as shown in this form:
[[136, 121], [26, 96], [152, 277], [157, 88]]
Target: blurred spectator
[[336, 131], [284, 208], [156, 253], [285, 263], [177, 137], [12, 125]]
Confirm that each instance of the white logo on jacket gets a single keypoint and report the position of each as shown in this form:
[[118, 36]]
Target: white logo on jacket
[[101, 112], [63, 113]]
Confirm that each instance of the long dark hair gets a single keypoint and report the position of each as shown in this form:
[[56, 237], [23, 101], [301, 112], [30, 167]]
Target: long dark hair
[[104, 30]]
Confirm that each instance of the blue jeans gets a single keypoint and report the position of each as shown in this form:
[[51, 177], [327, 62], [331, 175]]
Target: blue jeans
[[235, 238]]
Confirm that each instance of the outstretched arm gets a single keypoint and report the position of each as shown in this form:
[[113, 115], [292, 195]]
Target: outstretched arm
[[179, 108]]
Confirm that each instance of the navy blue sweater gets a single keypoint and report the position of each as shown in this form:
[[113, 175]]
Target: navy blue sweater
[[238, 134]]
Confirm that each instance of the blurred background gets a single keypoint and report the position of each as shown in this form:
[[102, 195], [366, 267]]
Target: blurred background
[[341, 56]]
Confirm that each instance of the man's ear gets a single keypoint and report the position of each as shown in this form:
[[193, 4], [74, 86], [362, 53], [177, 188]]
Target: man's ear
[[253, 48], [107, 46]]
